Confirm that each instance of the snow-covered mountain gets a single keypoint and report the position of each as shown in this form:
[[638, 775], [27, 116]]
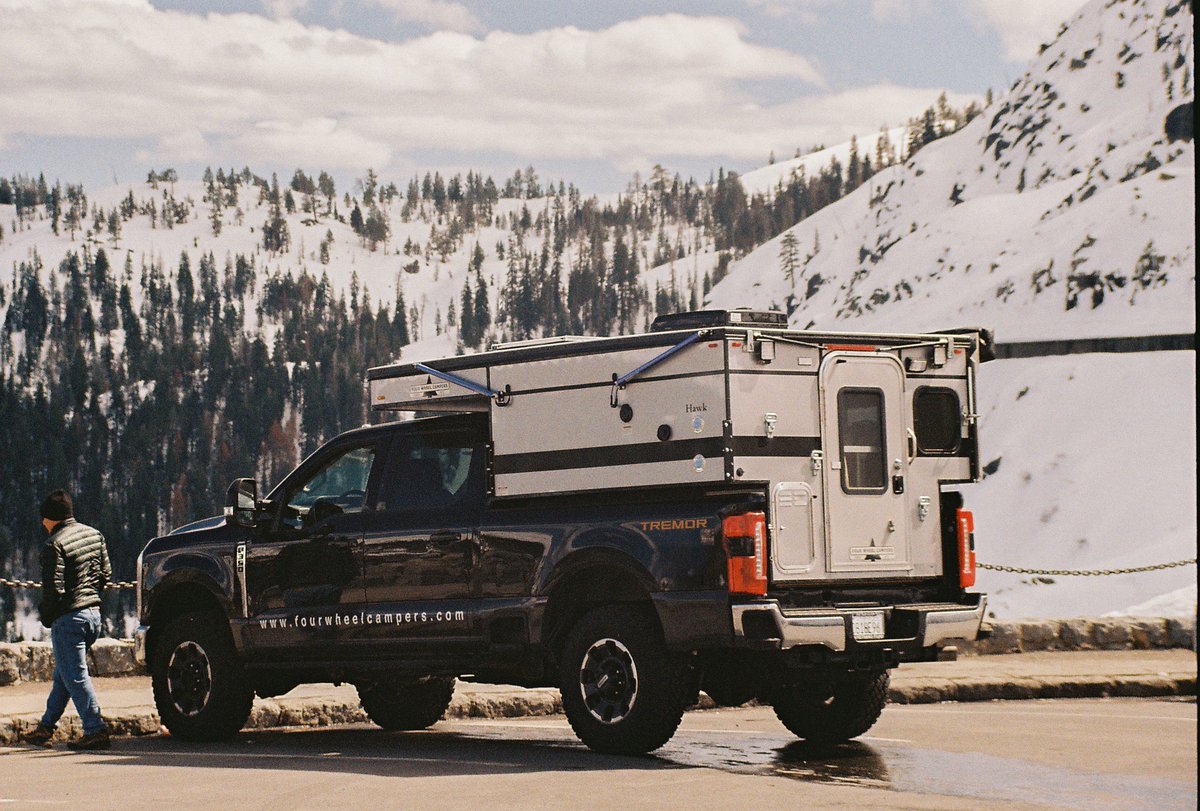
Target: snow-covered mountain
[[1064, 211]]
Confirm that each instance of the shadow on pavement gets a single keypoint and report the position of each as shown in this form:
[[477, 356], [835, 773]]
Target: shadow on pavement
[[369, 751]]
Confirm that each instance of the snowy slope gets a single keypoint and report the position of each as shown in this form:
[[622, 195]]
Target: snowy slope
[[436, 282], [1097, 470], [766, 178], [1035, 220], [1062, 211]]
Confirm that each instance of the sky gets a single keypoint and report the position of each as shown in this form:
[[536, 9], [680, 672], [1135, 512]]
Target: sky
[[102, 91]]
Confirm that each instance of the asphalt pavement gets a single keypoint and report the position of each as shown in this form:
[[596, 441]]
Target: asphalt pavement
[[1077, 753]]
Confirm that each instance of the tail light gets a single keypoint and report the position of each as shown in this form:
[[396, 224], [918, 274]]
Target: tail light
[[746, 547], [966, 548]]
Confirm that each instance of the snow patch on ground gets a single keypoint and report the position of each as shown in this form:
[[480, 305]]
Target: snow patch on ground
[[1177, 604]]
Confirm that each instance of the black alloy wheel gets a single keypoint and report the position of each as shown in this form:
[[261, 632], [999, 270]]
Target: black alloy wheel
[[201, 688], [623, 692], [608, 681], [189, 678]]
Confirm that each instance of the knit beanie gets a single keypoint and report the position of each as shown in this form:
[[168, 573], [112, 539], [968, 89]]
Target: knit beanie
[[57, 506]]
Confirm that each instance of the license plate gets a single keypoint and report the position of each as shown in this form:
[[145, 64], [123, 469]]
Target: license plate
[[867, 626]]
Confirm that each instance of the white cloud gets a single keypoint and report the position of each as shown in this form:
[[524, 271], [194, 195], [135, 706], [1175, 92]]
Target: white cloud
[[1023, 25], [438, 15], [183, 145], [236, 88]]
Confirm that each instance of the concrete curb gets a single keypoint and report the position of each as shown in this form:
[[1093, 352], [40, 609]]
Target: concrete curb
[[34, 661], [282, 713], [1126, 633]]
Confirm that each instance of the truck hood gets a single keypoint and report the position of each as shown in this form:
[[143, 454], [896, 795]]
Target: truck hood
[[204, 523]]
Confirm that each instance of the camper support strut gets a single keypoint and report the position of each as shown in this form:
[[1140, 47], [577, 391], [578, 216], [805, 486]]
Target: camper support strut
[[619, 382], [501, 397]]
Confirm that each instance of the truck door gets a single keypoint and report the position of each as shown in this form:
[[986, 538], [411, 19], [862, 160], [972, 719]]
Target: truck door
[[304, 572], [422, 540], [863, 427]]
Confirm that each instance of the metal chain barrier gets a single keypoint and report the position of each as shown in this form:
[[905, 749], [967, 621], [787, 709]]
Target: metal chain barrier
[[122, 585], [1085, 572]]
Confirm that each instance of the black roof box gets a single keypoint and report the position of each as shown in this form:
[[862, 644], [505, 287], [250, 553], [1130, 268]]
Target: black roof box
[[700, 319]]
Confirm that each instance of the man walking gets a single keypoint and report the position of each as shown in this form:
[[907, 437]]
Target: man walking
[[75, 570]]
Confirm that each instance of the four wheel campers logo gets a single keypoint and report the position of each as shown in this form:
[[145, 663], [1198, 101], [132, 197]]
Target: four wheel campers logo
[[429, 388], [342, 619]]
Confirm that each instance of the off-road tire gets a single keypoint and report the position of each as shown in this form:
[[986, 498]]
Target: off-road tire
[[655, 685], [832, 708], [407, 704], [200, 687]]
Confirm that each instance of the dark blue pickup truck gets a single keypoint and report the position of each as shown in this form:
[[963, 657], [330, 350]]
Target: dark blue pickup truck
[[387, 560]]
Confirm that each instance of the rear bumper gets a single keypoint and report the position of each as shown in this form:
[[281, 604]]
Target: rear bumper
[[909, 628]]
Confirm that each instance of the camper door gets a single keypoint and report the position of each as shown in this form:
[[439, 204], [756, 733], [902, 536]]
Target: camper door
[[863, 428]]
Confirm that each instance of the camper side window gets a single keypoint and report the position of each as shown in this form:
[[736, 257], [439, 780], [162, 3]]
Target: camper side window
[[937, 421], [860, 430]]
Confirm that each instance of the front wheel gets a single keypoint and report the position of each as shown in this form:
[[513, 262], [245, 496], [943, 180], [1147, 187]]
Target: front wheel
[[622, 691], [832, 708], [200, 688]]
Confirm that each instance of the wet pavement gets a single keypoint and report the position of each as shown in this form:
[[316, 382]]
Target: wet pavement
[[1086, 754]]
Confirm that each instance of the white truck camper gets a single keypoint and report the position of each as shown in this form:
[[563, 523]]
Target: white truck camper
[[853, 437]]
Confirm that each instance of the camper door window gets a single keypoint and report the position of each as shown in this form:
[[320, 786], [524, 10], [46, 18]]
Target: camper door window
[[861, 434]]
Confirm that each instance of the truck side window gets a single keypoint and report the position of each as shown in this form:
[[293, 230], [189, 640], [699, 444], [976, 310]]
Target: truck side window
[[340, 486], [860, 429], [937, 421], [432, 471]]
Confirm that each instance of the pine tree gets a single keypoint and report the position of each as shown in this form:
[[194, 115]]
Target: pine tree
[[399, 318], [466, 330], [483, 309], [789, 257]]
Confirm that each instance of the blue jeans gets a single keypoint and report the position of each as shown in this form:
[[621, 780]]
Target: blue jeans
[[72, 635]]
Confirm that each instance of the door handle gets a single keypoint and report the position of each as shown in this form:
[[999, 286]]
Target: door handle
[[445, 537], [911, 439]]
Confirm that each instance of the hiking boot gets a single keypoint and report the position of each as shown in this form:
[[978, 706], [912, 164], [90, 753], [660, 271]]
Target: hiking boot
[[97, 740], [38, 736]]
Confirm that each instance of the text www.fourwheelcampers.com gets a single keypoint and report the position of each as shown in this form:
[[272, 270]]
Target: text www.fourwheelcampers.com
[[362, 618]]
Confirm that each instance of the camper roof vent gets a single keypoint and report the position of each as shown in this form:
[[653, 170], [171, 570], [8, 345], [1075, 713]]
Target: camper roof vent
[[698, 319]]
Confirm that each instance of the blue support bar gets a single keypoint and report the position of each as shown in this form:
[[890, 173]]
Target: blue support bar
[[499, 396], [620, 382]]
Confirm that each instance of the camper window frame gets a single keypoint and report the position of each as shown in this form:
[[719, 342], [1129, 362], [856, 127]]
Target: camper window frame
[[958, 439]]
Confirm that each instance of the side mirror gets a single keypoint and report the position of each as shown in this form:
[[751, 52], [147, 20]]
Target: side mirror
[[241, 502]]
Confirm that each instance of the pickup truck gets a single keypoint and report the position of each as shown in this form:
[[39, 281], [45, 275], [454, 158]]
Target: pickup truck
[[387, 560]]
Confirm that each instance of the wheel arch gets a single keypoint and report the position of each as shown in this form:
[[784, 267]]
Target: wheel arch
[[589, 578], [185, 591]]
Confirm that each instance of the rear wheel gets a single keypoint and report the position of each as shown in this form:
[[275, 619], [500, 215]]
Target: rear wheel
[[622, 691], [407, 704], [832, 708], [200, 688]]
